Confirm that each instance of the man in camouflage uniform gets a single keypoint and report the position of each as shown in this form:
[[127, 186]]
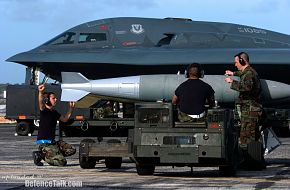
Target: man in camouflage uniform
[[54, 153], [49, 150], [248, 108]]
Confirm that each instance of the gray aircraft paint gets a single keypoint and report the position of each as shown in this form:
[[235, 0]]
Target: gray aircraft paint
[[143, 46]]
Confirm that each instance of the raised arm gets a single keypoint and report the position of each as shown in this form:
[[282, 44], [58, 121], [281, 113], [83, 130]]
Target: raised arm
[[40, 97], [64, 118]]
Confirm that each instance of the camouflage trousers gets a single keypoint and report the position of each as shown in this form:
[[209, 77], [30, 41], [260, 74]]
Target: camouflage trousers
[[54, 154], [183, 117], [249, 114]]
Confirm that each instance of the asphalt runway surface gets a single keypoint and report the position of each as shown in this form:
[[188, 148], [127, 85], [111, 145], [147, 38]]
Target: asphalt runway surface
[[18, 171]]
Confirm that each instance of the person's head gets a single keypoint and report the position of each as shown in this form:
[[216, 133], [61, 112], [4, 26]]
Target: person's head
[[49, 99], [242, 60], [194, 70]]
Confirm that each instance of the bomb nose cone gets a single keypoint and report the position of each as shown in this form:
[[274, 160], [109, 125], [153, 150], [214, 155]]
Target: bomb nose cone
[[275, 90]]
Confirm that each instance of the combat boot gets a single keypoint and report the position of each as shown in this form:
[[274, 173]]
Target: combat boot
[[37, 158]]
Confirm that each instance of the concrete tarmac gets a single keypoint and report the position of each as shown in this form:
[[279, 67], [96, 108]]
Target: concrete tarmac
[[17, 171]]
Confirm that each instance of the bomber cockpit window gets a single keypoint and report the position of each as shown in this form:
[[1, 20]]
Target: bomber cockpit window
[[165, 41], [65, 38], [179, 40], [92, 37]]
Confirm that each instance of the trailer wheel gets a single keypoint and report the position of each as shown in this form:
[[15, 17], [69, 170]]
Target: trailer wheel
[[23, 128], [232, 149], [228, 171], [86, 162], [143, 169], [113, 162]]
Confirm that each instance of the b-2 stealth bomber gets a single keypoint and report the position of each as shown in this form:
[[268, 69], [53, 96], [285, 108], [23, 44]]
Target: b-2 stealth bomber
[[118, 47], [104, 51]]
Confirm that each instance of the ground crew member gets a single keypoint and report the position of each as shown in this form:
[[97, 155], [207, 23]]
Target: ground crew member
[[49, 150], [192, 95], [247, 107]]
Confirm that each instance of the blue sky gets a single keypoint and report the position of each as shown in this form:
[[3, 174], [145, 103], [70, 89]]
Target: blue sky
[[26, 24]]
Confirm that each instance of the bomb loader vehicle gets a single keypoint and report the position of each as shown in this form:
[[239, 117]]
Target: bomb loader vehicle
[[158, 139]]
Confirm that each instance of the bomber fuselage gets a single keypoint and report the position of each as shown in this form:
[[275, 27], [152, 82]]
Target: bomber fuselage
[[119, 47]]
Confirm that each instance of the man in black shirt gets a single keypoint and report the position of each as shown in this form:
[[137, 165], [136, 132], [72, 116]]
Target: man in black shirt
[[49, 150], [192, 95]]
